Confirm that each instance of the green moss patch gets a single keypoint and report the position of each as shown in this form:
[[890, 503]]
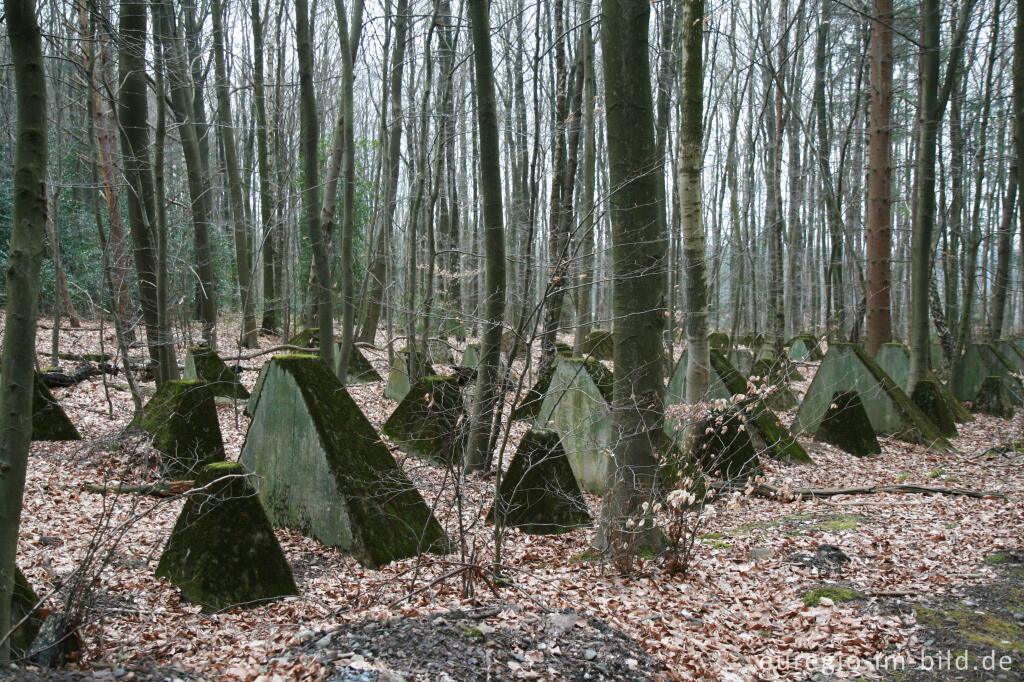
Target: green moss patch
[[836, 593], [937, 403], [841, 522], [539, 493], [223, 552], [325, 472], [182, 419], [430, 421], [204, 363], [719, 341]]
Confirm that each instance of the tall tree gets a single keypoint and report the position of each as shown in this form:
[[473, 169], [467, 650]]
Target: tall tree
[[691, 205], [879, 209], [25, 254], [493, 296], [309, 123], [269, 249], [638, 271]]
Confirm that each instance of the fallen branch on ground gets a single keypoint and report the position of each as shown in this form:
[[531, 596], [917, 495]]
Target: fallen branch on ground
[[791, 495], [169, 489]]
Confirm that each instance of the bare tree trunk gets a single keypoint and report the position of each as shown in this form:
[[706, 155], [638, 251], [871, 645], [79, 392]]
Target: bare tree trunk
[[691, 206], [310, 132], [477, 454], [25, 254], [638, 262], [236, 201], [271, 318]]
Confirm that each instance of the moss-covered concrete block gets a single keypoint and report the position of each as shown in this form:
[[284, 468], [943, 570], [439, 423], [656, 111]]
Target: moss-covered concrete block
[[577, 406], [471, 356], [360, 371], [718, 341], [723, 380], [770, 377], [599, 345], [722, 446], [223, 552], [539, 493], [742, 360], [182, 418], [401, 379], [430, 422], [894, 359], [23, 607], [846, 426], [993, 398], [439, 352], [936, 360], [49, 421], [307, 338], [772, 439], [982, 360], [326, 473], [935, 400], [846, 367], [250, 406], [203, 363], [804, 347], [1012, 353]]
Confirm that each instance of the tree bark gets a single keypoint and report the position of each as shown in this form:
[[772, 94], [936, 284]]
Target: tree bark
[[879, 324], [25, 254], [638, 271], [493, 303]]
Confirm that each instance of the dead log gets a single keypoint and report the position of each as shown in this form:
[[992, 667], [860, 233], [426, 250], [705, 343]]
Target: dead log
[[169, 489], [794, 494]]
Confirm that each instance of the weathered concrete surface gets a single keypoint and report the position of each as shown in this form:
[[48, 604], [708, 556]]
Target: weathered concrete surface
[[182, 418], [360, 371], [399, 380], [894, 359], [846, 367], [325, 471], [223, 552], [982, 360], [431, 421], [49, 421], [204, 363], [599, 345], [846, 426], [539, 493]]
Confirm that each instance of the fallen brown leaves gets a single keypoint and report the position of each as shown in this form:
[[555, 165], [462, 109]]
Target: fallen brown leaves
[[736, 612]]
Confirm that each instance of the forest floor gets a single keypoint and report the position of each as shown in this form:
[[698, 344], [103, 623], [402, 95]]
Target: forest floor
[[930, 575]]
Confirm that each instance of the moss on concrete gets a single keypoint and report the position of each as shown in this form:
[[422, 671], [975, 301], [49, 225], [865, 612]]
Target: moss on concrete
[[722, 446], [400, 379], [993, 398], [182, 419], [846, 426], [894, 359], [599, 345], [254, 397], [439, 352], [847, 367], [539, 493], [23, 603], [718, 341], [931, 397], [836, 593], [49, 421], [307, 338], [742, 360], [804, 347], [471, 356], [326, 473], [360, 371], [223, 552], [203, 363], [982, 360], [430, 421]]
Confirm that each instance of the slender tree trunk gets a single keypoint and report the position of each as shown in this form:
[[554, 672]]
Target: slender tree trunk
[[271, 318], [585, 272], [493, 304], [879, 325], [310, 133], [236, 200], [25, 254], [638, 266], [691, 206]]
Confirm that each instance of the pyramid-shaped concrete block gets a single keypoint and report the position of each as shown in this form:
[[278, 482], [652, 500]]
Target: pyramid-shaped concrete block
[[846, 367], [599, 344], [400, 379], [49, 421], [431, 422], [203, 363], [539, 493], [982, 360], [894, 359], [577, 406], [360, 371], [993, 398], [182, 418], [327, 474], [846, 426], [223, 552]]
